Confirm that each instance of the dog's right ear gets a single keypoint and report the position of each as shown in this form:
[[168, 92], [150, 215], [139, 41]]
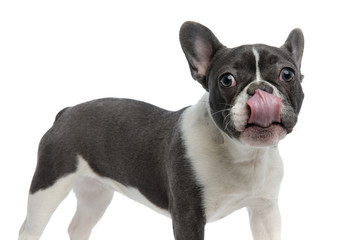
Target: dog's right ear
[[199, 45]]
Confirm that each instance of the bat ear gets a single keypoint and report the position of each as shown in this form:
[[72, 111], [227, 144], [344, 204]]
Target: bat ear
[[199, 45], [295, 45]]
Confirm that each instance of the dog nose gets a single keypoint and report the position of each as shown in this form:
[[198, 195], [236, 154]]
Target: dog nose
[[262, 86]]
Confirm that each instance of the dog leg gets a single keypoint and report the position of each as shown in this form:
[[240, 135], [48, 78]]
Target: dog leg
[[93, 199], [41, 206], [188, 221], [189, 230], [265, 222]]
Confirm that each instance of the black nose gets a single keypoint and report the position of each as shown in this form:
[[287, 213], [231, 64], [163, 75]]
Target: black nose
[[259, 85]]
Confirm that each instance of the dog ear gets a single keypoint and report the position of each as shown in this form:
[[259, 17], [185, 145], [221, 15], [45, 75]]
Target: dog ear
[[199, 45], [295, 45]]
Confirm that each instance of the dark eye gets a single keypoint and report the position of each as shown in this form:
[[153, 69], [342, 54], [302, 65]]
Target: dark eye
[[286, 74], [227, 81]]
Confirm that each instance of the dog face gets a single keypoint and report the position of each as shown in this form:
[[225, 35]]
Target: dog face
[[255, 92]]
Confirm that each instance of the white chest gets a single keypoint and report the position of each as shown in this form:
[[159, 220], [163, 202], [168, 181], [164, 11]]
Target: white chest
[[232, 175], [231, 186]]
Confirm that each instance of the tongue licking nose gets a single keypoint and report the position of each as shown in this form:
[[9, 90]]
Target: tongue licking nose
[[265, 108]]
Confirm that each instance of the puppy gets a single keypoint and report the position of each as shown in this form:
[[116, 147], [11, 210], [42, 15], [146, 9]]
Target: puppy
[[195, 165]]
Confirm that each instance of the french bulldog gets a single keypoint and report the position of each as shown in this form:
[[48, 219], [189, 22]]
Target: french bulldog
[[195, 165]]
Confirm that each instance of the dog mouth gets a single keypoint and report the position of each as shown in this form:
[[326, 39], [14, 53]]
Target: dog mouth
[[262, 119], [263, 126], [264, 109]]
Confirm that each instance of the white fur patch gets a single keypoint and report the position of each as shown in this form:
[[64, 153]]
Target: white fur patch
[[41, 206], [232, 175], [257, 58], [240, 112], [130, 192]]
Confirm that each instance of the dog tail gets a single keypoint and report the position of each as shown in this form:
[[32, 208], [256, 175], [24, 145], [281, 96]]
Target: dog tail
[[60, 114]]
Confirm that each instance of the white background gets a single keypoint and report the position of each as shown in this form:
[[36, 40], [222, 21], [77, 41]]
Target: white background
[[55, 54]]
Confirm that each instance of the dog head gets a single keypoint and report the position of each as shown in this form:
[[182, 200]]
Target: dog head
[[255, 92]]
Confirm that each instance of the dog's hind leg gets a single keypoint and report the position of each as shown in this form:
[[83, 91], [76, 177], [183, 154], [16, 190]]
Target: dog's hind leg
[[41, 205], [93, 198], [55, 174]]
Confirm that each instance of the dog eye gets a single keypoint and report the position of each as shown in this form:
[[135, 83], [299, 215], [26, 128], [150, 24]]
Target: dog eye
[[227, 81], [287, 74]]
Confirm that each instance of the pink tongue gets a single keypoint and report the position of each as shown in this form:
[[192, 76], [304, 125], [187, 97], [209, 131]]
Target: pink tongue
[[265, 108]]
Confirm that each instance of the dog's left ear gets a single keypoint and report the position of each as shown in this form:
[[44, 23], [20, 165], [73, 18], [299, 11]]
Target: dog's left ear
[[199, 45], [295, 45]]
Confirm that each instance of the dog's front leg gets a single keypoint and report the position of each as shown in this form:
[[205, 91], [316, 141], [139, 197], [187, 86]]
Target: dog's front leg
[[188, 226], [265, 222]]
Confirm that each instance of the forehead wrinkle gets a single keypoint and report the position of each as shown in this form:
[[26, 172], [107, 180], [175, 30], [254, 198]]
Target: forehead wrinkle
[[244, 65], [245, 61]]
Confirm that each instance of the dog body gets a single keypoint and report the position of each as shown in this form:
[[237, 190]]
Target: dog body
[[195, 165]]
